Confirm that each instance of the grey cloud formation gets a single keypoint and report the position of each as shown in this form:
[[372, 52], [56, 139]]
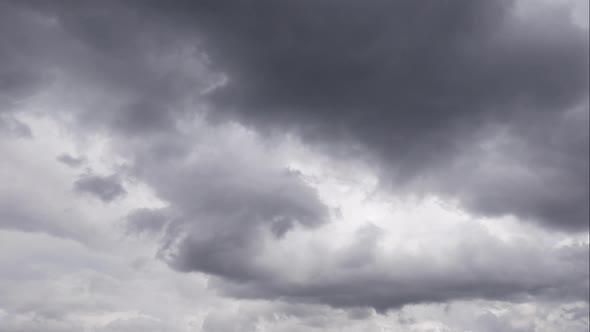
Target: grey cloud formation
[[413, 83], [21, 72], [222, 203], [536, 170], [105, 188], [71, 160], [130, 77], [474, 269], [228, 230], [462, 99]]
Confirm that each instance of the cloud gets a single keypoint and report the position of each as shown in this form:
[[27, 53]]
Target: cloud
[[537, 171], [21, 72], [13, 127], [134, 325], [203, 104], [479, 268], [106, 188], [71, 160], [224, 196], [226, 205], [412, 83]]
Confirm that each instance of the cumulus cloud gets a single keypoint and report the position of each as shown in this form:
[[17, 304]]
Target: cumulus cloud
[[224, 196], [481, 267], [415, 85], [225, 131]]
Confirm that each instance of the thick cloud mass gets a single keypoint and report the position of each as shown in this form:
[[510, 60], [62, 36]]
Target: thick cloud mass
[[364, 273], [413, 83], [308, 165]]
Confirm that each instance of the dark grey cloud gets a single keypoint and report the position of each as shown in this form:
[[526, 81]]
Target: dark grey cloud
[[536, 169], [222, 222], [494, 272], [21, 72], [134, 75], [105, 188], [71, 160], [412, 83], [219, 209]]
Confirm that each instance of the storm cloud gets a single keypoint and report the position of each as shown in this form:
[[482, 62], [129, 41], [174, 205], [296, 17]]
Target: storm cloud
[[414, 84], [294, 165]]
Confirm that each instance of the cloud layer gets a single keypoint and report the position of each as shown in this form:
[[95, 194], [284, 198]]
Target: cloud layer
[[310, 165]]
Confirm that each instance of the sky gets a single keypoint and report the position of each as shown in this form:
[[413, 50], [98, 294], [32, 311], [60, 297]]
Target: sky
[[291, 166]]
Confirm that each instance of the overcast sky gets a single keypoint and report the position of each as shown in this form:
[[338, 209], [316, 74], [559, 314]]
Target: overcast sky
[[294, 166]]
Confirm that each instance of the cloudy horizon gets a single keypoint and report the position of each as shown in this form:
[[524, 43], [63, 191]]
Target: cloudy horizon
[[283, 166]]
